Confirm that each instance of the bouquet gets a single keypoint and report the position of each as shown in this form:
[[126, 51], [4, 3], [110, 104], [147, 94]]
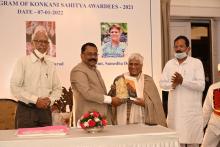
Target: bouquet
[[92, 120]]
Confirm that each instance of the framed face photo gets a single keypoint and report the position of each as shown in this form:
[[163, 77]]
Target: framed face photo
[[114, 37], [32, 27]]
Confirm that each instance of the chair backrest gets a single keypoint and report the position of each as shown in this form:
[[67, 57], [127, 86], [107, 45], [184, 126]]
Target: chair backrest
[[7, 114]]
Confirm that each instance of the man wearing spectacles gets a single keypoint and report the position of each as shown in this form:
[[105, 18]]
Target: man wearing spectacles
[[35, 84], [88, 86], [184, 78]]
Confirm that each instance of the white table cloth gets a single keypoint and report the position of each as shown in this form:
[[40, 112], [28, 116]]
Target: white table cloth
[[111, 136]]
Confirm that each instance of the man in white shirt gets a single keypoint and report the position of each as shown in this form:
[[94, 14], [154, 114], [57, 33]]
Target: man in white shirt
[[211, 114], [35, 84], [183, 77]]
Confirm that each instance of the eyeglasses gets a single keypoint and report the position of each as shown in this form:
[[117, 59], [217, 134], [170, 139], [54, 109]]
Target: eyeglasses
[[91, 54], [41, 41]]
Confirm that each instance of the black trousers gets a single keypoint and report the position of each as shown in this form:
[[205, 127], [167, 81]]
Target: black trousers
[[29, 116]]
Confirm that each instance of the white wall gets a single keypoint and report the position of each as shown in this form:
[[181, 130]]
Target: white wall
[[195, 8], [73, 29], [156, 41]]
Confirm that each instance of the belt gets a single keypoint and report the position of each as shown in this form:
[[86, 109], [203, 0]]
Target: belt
[[27, 105], [217, 112]]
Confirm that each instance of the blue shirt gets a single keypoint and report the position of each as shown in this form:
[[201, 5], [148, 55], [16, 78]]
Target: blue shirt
[[110, 51]]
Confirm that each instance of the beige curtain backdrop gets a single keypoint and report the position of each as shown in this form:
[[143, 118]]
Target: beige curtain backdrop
[[165, 32]]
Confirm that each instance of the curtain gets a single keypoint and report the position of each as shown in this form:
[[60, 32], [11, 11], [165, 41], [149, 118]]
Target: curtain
[[165, 35], [165, 42]]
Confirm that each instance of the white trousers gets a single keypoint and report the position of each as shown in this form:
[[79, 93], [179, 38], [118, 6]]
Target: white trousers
[[210, 139]]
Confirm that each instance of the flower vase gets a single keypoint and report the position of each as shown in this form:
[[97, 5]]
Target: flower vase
[[94, 129], [66, 116]]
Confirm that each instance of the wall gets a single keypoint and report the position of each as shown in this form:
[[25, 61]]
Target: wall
[[156, 41], [79, 22], [195, 8]]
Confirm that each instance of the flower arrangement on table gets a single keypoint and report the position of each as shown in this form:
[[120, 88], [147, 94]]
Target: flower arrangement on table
[[93, 121], [62, 108]]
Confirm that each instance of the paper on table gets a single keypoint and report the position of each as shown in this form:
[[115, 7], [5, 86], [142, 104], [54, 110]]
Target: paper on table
[[43, 131]]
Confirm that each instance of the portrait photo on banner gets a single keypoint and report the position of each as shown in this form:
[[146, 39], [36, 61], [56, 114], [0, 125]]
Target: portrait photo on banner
[[114, 38], [33, 26]]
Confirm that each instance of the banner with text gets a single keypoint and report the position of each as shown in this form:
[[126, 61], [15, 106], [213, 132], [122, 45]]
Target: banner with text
[[69, 25]]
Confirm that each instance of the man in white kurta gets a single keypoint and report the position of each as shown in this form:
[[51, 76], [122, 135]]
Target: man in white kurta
[[144, 103], [211, 114], [35, 84], [183, 77]]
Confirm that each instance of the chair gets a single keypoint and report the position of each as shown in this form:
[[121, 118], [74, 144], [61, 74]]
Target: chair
[[7, 114]]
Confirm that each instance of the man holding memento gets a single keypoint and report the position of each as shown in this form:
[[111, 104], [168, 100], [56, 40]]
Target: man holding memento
[[142, 103]]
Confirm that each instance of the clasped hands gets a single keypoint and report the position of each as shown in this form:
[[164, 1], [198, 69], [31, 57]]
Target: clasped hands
[[43, 102], [176, 80]]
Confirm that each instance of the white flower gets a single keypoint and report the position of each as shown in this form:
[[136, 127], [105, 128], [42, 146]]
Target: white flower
[[86, 124], [96, 119]]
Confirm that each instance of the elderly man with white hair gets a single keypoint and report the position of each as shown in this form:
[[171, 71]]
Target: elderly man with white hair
[[35, 84], [211, 114], [142, 103]]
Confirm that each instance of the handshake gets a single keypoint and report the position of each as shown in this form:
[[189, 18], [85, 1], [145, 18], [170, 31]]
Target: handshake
[[116, 101]]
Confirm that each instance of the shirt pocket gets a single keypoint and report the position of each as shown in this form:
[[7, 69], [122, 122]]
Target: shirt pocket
[[188, 74]]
